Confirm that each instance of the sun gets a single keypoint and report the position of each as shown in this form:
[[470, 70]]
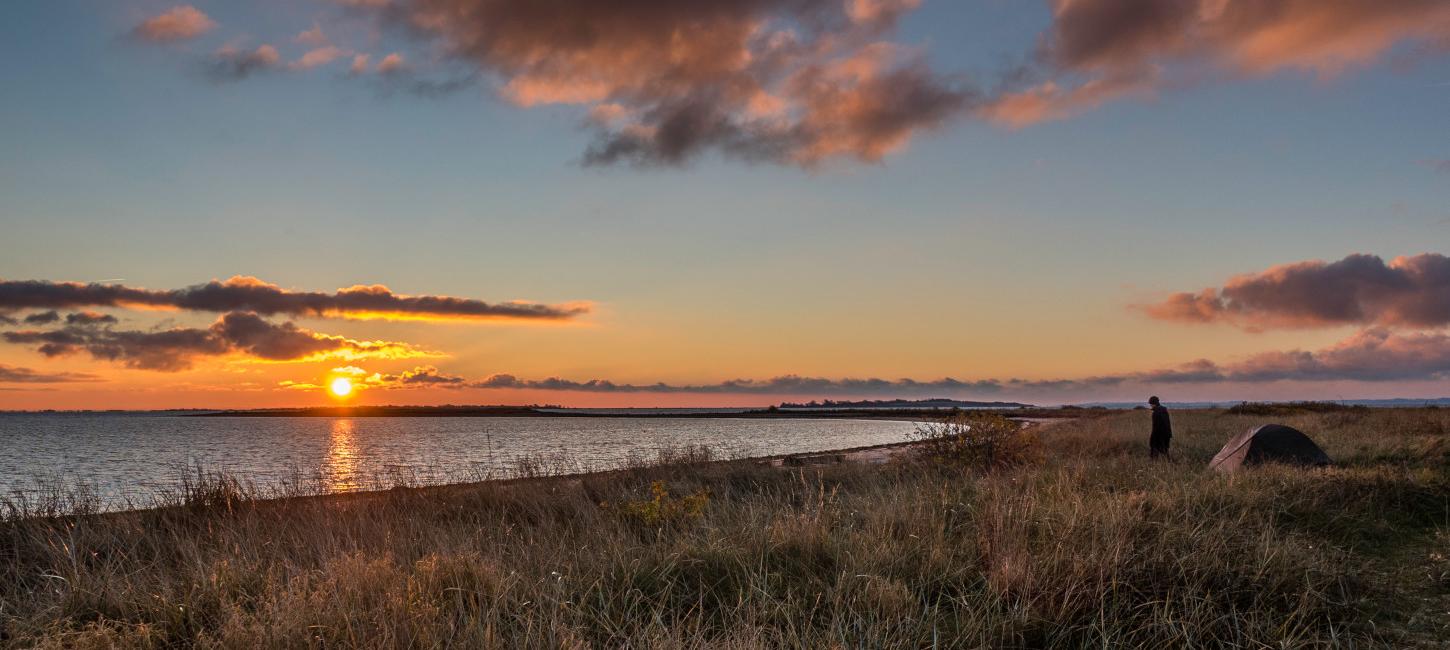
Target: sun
[[341, 387]]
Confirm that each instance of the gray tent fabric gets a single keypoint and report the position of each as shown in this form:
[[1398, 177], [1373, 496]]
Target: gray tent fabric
[[1270, 443]]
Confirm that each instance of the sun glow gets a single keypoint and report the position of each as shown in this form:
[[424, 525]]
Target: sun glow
[[340, 387]]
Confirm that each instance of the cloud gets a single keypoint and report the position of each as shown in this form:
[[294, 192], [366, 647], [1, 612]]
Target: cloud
[[1371, 355], [1374, 354], [42, 318], [790, 81], [359, 64], [1360, 289], [168, 350], [232, 64], [392, 63], [248, 333], [313, 37], [52, 316], [237, 333], [424, 376], [1247, 36], [243, 293], [319, 56], [394, 75], [1098, 50], [879, 11], [180, 23], [18, 375], [1049, 101], [89, 318], [1437, 165]]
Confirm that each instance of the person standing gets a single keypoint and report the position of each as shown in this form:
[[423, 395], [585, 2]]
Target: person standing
[[1162, 434]]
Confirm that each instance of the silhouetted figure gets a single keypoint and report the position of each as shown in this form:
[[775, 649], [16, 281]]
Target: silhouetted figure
[[1162, 430]]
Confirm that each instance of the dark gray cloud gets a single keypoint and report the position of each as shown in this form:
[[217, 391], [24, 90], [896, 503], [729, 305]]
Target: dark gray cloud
[[166, 350], [1409, 291], [791, 81], [89, 318], [232, 64], [175, 349], [18, 375], [42, 318], [250, 294], [412, 82], [423, 376], [250, 334]]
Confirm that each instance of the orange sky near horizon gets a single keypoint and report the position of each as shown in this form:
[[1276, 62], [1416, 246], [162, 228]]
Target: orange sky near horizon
[[1023, 343]]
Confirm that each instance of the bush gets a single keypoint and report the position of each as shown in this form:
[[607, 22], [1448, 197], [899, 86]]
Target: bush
[[985, 441], [661, 508]]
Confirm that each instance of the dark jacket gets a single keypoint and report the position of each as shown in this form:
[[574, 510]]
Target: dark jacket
[[1162, 428]]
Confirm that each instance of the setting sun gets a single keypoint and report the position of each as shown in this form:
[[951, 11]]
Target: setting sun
[[341, 387]]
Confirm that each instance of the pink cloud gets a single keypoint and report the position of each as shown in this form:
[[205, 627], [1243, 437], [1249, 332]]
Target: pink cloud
[[359, 64], [1103, 50], [1411, 291], [1049, 101], [320, 56], [233, 64], [313, 37], [180, 23], [1247, 36], [392, 63]]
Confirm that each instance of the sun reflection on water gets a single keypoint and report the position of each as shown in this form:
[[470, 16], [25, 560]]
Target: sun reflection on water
[[340, 470]]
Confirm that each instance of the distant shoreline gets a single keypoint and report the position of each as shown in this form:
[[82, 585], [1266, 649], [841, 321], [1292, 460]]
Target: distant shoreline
[[492, 411], [877, 410]]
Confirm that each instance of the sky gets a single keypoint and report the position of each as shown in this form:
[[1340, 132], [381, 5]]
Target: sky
[[722, 202]]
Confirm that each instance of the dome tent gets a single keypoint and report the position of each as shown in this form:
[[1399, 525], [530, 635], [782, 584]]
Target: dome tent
[[1270, 443]]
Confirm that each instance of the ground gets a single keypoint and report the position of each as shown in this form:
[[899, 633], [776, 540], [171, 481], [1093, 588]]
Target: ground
[[1087, 543]]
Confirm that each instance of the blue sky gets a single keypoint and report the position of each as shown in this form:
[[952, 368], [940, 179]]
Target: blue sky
[[119, 159]]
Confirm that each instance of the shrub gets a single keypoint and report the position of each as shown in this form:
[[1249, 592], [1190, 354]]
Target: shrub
[[661, 508], [979, 440]]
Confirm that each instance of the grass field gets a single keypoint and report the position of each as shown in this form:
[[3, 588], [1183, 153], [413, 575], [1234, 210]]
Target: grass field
[[1088, 545]]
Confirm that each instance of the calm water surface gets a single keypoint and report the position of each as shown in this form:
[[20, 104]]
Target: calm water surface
[[135, 456]]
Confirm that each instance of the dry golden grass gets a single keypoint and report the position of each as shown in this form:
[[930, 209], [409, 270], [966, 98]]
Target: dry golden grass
[[1092, 545]]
